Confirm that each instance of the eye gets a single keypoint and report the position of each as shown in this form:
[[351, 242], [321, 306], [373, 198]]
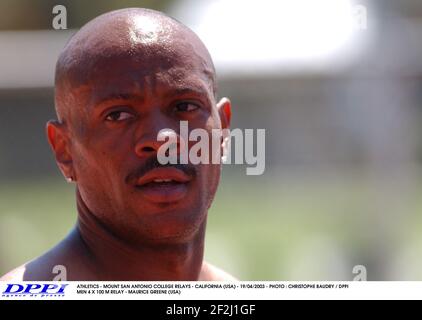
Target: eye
[[116, 116], [186, 107]]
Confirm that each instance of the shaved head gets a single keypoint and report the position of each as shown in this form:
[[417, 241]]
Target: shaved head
[[141, 35], [120, 80]]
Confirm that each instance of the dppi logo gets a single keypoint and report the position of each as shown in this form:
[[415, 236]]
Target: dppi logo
[[43, 290]]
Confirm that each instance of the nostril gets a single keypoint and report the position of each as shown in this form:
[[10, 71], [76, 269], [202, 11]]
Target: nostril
[[148, 149]]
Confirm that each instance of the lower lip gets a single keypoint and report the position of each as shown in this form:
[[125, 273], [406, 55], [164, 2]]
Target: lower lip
[[164, 193]]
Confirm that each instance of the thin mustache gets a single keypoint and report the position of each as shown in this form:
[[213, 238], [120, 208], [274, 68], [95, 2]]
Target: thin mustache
[[152, 163]]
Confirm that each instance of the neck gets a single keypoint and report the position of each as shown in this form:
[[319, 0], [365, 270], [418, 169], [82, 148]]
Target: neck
[[111, 258]]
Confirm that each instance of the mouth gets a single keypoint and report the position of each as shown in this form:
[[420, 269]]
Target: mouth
[[164, 185]]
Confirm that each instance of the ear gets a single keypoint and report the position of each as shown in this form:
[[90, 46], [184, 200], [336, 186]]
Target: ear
[[58, 139], [225, 111]]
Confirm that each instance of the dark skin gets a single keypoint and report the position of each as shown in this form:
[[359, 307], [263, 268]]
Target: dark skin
[[120, 80]]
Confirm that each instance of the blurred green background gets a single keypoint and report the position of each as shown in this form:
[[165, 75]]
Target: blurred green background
[[343, 148]]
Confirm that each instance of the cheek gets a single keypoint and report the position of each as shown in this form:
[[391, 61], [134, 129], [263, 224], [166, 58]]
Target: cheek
[[103, 146], [211, 179], [213, 169], [215, 142], [215, 152], [100, 179], [98, 161]]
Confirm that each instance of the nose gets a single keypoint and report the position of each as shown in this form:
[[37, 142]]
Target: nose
[[154, 136]]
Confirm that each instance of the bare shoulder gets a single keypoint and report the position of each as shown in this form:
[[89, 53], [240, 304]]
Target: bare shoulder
[[212, 273], [38, 269], [14, 275], [65, 260]]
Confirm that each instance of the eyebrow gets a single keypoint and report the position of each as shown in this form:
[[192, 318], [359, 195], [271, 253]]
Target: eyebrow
[[188, 90], [198, 91], [118, 96]]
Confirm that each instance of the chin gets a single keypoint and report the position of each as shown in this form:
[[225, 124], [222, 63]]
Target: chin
[[172, 224]]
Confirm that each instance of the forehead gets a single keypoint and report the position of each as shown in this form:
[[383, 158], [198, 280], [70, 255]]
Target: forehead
[[150, 68]]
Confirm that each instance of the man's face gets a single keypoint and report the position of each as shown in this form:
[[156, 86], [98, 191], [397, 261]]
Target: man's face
[[117, 113]]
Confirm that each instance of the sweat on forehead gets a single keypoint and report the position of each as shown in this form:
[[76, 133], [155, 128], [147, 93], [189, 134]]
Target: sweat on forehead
[[139, 35]]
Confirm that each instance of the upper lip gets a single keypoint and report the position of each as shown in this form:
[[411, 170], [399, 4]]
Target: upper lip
[[163, 174]]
